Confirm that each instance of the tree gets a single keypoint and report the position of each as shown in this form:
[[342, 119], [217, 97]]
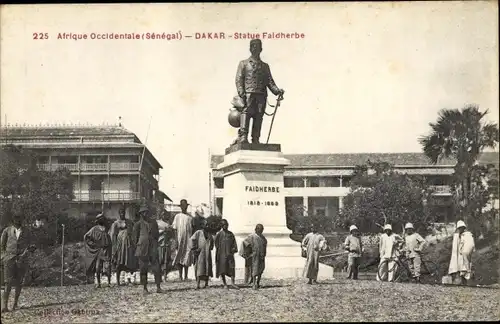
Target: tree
[[385, 197], [28, 191], [300, 221], [462, 135], [483, 191]]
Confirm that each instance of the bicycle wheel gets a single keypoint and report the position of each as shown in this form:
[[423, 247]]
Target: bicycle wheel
[[429, 273], [382, 270], [400, 272]]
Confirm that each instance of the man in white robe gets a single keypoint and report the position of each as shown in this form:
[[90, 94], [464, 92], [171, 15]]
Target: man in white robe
[[388, 252], [313, 243], [183, 225], [461, 254]]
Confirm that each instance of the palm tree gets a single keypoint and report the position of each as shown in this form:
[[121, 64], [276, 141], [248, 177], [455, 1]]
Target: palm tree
[[462, 135]]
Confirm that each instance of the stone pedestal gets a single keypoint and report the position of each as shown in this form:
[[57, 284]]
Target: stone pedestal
[[253, 194]]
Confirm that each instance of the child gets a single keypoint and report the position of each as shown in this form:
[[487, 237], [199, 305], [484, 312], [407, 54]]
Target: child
[[354, 246]]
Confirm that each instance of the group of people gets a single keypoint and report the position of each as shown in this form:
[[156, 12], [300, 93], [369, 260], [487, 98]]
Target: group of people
[[163, 245], [313, 243], [412, 245], [160, 245], [390, 246]]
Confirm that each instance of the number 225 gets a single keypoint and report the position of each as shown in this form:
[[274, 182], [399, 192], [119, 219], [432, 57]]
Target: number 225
[[40, 35]]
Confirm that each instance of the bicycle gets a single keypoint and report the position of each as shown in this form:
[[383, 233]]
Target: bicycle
[[429, 270]]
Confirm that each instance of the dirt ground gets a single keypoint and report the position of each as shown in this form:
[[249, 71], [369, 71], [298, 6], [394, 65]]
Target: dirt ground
[[286, 301]]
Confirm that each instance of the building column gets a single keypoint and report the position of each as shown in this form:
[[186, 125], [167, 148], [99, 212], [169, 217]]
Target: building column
[[306, 205], [341, 202], [79, 180], [109, 173], [340, 179]]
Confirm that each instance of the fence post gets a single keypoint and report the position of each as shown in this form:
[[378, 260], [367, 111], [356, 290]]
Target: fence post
[[62, 257]]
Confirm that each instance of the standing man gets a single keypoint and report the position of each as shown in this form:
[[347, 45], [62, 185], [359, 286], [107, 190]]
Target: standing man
[[354, 246], [202, 244], [183, 224], [253, 77], [15, 243], [123, 246], [98, 250], [255, 247], [225, 248], [461, 254], [414, 243], [388, 252], [313, 243], [146, 236]]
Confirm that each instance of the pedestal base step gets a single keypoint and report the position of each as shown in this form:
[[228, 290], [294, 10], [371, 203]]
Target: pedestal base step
[[325, 272]]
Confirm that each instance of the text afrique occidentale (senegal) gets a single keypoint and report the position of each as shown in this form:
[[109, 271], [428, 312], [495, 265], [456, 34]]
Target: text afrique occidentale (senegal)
[[118, 36]]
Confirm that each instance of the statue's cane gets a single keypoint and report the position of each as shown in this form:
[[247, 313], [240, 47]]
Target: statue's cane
[[278, 101]]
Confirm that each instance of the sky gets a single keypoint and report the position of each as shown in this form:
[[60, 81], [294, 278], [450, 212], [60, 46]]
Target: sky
[[366, 77]]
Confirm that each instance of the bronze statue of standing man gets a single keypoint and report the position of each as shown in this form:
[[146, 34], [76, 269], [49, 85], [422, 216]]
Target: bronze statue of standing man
[[252, 80]]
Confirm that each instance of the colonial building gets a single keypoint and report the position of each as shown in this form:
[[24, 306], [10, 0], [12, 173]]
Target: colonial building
[[110, 165], [316, 183]]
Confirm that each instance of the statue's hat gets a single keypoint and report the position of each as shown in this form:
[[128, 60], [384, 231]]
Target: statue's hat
[[255, 41]]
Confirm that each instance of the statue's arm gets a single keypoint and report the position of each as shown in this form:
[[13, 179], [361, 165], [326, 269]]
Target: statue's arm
[[240, 79], [271, 84]]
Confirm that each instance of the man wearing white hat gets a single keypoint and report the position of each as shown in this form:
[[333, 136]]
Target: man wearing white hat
[[388, 241], [414, 244], [354, 246], [461, 253]]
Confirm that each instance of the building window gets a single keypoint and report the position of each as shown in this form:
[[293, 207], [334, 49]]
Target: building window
[[67, 159], [219, 205], [438, 180], [97, 183], [291, 182], [219, 183], [313, 182], [134, 159], [97, 159], [134, 185], [42, 160], [96, 187], [329, 182], [346, 181], [323, 206]]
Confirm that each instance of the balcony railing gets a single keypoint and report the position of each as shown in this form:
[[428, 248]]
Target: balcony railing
[[96, 195], [85, 167], [441, 190]]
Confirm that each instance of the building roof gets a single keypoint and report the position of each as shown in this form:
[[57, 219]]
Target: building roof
[[63, 130], [353, 159], [161, 194], [54, 136]]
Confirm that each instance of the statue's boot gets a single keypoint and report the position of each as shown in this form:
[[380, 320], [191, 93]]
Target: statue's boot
[[243, 131]]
